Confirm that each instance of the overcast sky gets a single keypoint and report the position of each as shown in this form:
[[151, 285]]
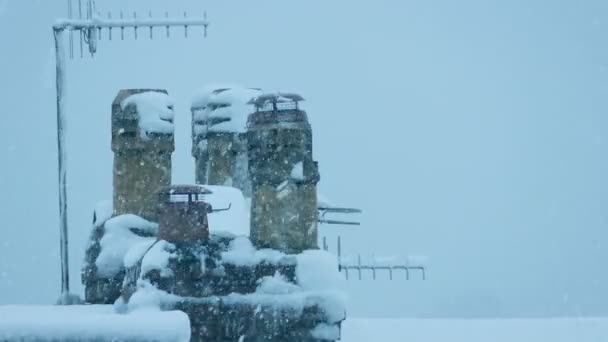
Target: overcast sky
[[473, 132]]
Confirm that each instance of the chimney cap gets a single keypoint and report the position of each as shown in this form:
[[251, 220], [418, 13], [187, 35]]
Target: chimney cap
[[278, 97], [124, 93], [185, 189]]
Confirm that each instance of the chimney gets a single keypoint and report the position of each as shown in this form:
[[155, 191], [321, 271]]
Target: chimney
[[142, 142], [219, 144], [283, 174], [183, 214]]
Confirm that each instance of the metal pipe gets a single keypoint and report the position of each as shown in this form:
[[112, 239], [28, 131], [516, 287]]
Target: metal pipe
[[122, 28], [167, 27], [109, 28], [62, 160], [71, 33], [340, 255], [135, 27], [359, 265], [346, 223], [81, 32], [151, 33], [185, 26]]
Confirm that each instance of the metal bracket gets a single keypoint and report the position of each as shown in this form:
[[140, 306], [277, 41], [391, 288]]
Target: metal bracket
[[336, 210], [213, 211]]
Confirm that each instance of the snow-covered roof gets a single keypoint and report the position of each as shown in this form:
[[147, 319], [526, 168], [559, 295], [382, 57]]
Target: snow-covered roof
[[155, 111], [222, 109], [90, 323]]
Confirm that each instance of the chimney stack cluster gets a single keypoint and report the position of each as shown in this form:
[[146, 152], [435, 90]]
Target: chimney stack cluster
[[258, 143]]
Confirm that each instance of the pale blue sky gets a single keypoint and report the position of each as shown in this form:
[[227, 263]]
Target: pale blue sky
[[470, 131]]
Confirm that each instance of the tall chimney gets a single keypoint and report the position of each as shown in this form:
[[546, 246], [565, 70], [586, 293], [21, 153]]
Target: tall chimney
[[218, 137], [283, 174], [142, 142]]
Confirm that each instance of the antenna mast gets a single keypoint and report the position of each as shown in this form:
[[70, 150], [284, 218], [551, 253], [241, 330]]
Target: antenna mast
[[89, 29]]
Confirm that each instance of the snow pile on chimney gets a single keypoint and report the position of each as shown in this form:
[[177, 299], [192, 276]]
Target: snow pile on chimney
[[155, 110], [223, 109]]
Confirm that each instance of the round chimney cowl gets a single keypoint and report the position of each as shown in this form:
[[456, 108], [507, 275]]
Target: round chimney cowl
[[183, 213]]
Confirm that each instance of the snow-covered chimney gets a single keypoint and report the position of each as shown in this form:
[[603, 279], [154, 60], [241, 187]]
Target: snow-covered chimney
[[283, 174], [142, 142], [219, 118]]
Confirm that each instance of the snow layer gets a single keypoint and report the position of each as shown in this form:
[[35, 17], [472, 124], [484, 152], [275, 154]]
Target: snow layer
[[323, 201], [273, 291], [235, 220], [242, 253], [103, 212], [157, 258], [318, 280], [277, 284], [155, 110], [476, 330], [118, 239], [326, 332], [216, 103], [297, 172], [317, 273], [90, 323], [150, 298], [136, 252]]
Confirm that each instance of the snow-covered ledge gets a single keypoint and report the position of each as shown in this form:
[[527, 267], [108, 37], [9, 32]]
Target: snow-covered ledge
[[90, 323]]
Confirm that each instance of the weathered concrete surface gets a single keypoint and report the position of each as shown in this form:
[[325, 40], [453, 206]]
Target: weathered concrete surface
[[141, 166], [284, 177]]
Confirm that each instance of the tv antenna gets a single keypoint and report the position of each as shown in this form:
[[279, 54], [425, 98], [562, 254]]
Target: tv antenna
[[375, 265], [90, 25], [413, 264]]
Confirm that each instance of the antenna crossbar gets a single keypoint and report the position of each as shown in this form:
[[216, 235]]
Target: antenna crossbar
[[77, 24]]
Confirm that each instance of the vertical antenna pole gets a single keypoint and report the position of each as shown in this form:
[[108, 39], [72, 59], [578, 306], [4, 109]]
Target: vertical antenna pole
[[151, 32], [109, 28], [122, 28], [61, 131], [359, 265], [166, 17], [340, 256], [205, 28], [71, 33], [185, 26], [135, 27], [81, 31]]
